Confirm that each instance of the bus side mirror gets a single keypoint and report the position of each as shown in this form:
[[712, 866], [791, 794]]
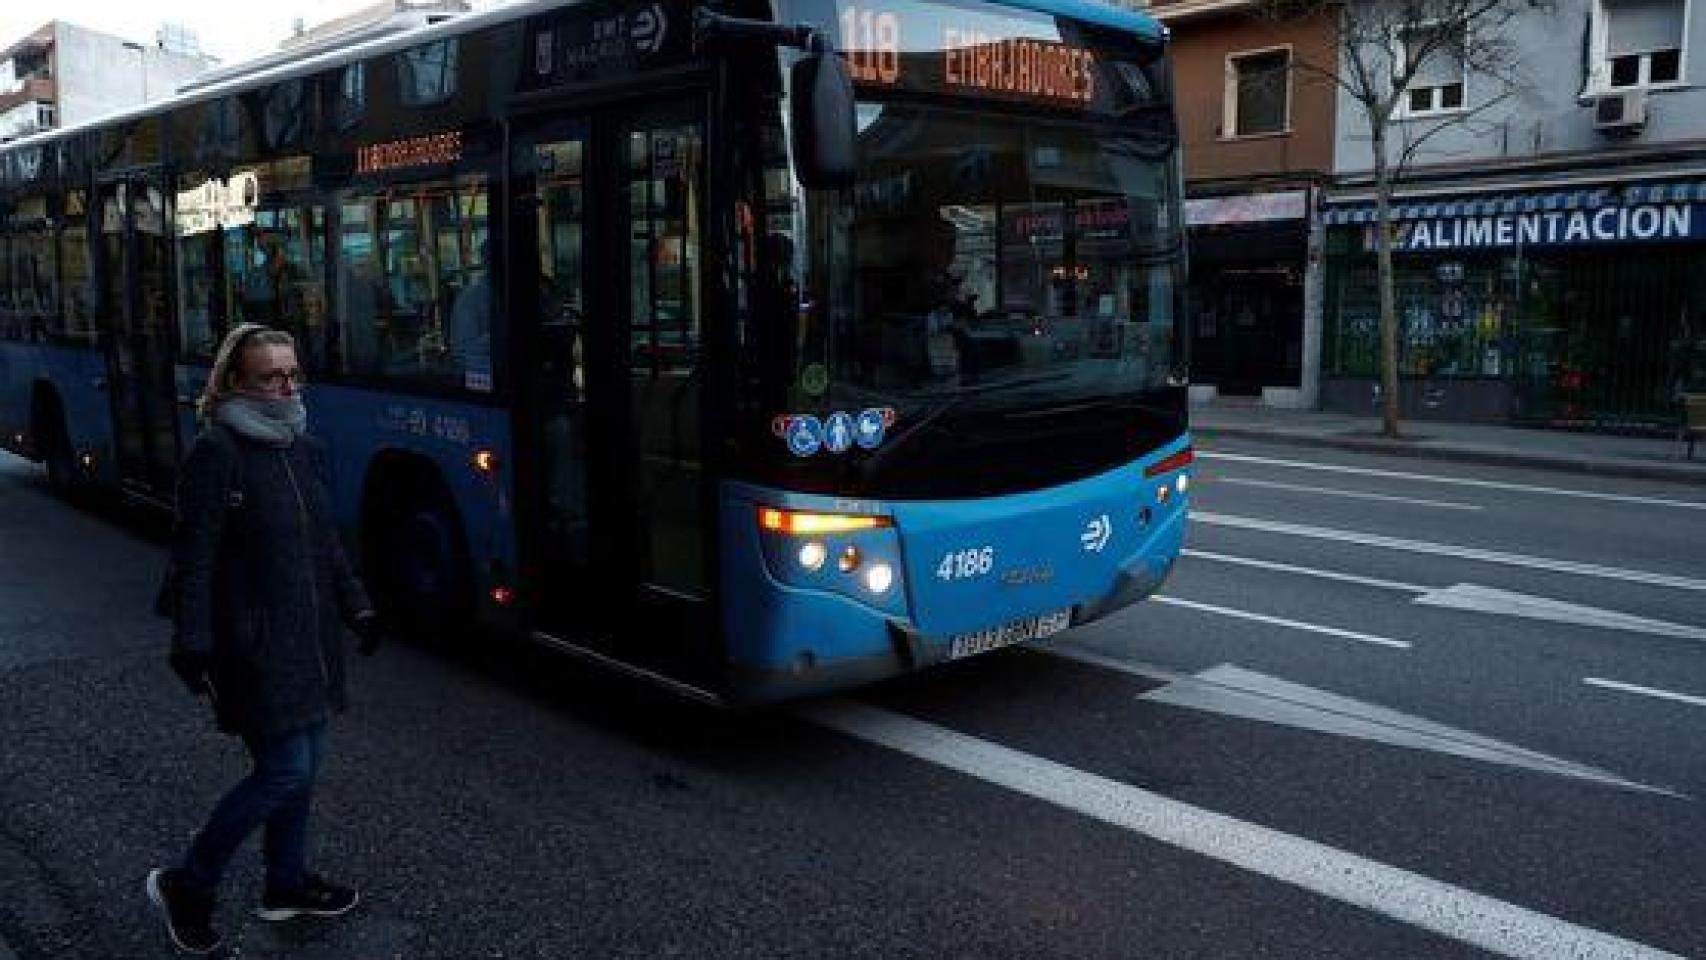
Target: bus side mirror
[[821, 105]]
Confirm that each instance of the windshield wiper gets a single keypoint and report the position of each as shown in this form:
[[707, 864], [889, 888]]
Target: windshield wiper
[[957, 394], [949, 402], [1118, 402]]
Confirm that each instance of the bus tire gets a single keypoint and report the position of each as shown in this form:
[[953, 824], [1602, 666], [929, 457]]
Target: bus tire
[[417, 555]]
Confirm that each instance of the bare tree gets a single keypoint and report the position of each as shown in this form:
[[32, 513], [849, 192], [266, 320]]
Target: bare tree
[[1384, 47]]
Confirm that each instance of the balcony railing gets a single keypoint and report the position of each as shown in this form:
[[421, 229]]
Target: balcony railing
[[39, 89]]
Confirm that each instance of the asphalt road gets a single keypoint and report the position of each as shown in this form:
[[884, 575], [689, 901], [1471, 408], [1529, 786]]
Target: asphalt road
[[1350, 727]]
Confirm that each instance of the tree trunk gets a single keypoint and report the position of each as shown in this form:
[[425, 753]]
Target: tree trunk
[[1384, 280]]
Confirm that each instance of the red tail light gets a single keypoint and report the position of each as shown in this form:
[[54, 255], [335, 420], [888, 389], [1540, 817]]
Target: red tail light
[[1177, 461]]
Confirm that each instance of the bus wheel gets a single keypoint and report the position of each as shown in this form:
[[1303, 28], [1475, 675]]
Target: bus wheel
[[421, 562]]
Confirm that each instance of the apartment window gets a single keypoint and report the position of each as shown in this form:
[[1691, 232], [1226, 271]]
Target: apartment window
[[1642, 42], [1437, 85], [29, 66], [44, 115], [1258, 92]]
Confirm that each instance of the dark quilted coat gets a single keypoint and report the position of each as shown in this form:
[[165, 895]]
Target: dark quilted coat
[[262, 581]]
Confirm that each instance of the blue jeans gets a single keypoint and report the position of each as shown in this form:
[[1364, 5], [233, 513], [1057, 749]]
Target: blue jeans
[[276, 793]]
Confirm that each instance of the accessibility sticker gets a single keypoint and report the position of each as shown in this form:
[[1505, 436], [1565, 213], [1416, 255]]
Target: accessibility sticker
[[804, 435], [838, 432]]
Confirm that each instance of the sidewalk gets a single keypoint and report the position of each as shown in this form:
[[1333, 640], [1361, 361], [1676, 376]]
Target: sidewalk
[[1639, 457]]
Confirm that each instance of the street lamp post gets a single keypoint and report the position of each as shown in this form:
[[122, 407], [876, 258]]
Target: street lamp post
[[142, 65]]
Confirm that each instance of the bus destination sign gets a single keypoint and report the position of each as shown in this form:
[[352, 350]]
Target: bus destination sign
[[430, 150], [964, 50]]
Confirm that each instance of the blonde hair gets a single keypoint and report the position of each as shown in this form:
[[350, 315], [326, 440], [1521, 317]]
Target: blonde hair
[[228, 362]]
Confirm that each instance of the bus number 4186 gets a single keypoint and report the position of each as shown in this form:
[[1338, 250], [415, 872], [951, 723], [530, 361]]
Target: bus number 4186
[[965, 564]]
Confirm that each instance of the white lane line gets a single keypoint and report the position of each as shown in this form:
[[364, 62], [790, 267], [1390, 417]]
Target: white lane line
[[1645, 691], [1478, 599], [1306, 571], [1340, 492], [1283, 622], [1402, 895], [1448, 550], [1454, 481]]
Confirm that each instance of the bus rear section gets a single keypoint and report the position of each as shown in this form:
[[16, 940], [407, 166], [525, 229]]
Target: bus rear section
[[822, 593]]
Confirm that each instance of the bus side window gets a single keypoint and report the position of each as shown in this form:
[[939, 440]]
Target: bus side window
[[200, 319], [275, 270], [468, 331], [364, 303], [7, 309], [413, 285], [78, 318]]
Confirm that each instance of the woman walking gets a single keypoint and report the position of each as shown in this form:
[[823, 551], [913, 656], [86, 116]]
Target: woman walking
[[260, 590]]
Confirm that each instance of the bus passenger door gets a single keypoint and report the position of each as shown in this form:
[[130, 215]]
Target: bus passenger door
[[663, 315], [548, 298], [136, 307], [608, 317]]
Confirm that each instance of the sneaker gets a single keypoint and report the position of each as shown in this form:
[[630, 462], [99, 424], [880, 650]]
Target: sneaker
[[315, 898], [188, 911]]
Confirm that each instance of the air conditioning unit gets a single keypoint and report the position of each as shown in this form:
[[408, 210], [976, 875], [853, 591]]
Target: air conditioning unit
[[1622, 112]]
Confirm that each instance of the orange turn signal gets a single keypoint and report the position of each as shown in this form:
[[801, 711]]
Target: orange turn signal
[[806, 524], [486, 462]]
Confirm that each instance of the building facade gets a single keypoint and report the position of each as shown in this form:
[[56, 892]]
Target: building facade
[[61, 74], [1550, 239], [1257, 135], [382, 19]]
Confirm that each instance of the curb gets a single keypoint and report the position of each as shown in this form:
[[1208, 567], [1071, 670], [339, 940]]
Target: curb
[[1599, 466]]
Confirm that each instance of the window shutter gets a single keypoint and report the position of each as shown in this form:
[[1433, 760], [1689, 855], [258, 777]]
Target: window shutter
[[1443, 65], [1642, 26]]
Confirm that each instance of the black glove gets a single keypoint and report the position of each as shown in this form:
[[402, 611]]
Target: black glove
[[193, 668], [369, 630]]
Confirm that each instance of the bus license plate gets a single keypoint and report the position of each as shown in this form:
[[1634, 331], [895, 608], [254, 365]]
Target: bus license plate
[[1030, 628]]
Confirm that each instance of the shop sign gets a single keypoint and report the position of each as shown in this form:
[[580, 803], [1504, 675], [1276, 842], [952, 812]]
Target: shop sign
[[1251, 208], [1642, 223], [1035, 223], [1045, 223], [1102, 219]]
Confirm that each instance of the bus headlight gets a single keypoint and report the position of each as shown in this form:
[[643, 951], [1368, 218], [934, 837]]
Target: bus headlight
[[879, 577], [854, 555]]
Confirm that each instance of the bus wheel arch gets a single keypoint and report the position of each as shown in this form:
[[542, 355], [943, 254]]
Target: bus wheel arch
[[415, 548], [51, 437]]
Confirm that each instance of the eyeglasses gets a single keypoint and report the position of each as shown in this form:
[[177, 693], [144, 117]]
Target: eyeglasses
[[276, 379]]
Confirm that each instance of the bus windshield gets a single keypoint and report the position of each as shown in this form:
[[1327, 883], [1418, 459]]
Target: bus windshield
[[1022, 264], [1004, 271], [991, 279]]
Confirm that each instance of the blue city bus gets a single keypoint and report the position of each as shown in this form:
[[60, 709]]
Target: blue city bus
[[760, 351]]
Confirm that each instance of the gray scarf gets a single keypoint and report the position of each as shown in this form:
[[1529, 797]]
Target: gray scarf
[[276, 422]]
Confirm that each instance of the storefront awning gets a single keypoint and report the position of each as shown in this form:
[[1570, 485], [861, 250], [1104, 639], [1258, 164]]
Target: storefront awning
[[1585, 199]]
